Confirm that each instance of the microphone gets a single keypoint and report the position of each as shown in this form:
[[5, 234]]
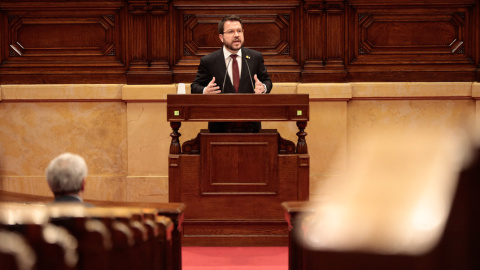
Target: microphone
[[249, 73], [225, 77]]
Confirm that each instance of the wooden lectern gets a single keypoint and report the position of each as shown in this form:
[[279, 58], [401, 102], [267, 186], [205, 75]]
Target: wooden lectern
[[234, 183]]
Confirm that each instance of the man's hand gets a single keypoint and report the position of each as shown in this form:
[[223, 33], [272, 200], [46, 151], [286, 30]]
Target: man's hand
[[259, 88], [212, 88]]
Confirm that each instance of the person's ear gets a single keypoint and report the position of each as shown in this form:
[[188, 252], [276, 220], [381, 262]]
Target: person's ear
[[220, 36], [83, 185]]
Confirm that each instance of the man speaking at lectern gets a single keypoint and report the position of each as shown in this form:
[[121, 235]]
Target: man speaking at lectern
[[232, 69]]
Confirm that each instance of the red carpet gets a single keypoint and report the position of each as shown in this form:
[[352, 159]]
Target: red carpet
[[235, 258]]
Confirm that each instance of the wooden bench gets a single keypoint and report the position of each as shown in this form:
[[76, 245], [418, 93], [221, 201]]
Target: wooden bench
[[15, 252], [128, 234], [94, 238], [458, 247], [163, 221], [54, 247], [174, 211]]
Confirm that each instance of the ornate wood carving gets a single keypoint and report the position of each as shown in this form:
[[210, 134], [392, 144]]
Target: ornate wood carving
[[42, 37], [52, 43], [413, 35], [192, 146], [162, 41], [175, 144], [285, 146], [266, 33], [269, 28], [325, 41], [302, 143], [149, 43], [422, 38]]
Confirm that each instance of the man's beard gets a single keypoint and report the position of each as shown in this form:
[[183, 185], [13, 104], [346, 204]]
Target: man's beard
[[230, 47]]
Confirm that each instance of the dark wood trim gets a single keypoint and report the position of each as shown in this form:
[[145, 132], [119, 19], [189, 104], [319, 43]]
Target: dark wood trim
[[309, 41]]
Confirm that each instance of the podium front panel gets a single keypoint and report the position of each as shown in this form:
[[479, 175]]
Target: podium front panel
[[238, 163]]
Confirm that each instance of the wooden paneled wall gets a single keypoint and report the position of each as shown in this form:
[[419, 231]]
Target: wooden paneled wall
[[161, 41]]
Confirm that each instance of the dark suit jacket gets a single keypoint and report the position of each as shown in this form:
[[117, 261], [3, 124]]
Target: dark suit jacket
[[70, 199], [213, 65]]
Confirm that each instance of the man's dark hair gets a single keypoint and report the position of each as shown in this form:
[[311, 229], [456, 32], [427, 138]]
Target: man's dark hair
[[228, 18]]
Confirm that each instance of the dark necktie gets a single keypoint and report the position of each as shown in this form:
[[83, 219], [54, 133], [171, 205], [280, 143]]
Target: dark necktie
[[235, 73]]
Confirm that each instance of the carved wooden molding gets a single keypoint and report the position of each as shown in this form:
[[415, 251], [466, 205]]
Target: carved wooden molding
[[324, 6], [158, 7], [301, 40], [149, 43], [409, 34], [285, 146], [11, 18], [274, 29], [361, 16], [87, 36], [143, 7], [192, 146], [313, 7], [13, 52], [460, 49], [186, 17], [112, 51], [187, 51], [138, 8], [111, 17]]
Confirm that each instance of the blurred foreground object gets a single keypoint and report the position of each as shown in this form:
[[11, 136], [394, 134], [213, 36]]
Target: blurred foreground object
[[405, 203]]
